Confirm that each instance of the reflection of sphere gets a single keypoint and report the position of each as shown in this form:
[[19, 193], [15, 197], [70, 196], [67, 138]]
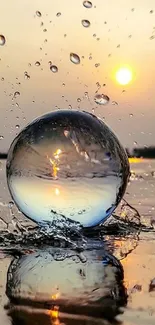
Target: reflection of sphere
[[86, 283], [67, 164]]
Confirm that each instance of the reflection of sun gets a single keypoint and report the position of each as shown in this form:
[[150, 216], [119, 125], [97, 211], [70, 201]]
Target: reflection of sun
[[124, 76]]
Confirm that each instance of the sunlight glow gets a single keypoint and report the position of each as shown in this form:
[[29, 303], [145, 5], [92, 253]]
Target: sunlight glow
[[124, 76]]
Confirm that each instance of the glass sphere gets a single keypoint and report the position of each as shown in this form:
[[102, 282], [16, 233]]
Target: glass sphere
[[67, 164]]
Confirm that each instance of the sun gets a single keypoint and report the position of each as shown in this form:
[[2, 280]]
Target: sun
[[124, 76]]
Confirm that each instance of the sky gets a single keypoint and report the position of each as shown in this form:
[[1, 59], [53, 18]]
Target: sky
[[121, 33]]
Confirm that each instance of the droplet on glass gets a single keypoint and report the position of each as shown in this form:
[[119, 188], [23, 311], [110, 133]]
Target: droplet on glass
[[152, 37], [37, 63], [85, 23], [54, 68], [78, 100], [87, 4], [26, 75], [114, 102], [97, 65], [131, 115], [151, 11], [2, 79], [74, 58], [16, 94], [38, 13], [2, 40], [58, 14], [58, 166], [17, 126], [101, 99], [10, 204], [1, 137]]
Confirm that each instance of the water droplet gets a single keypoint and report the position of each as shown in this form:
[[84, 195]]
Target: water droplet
[[74, 58], [131, 115], [37, 63], [133, 9], [17, 126], [97, 65], [1, 137], [85, 23], [26, 75], [2, 40], [94, 35], [152, 37], [78, 100], [38, 13], [2, 79], [10, 204], [58, 14], [151, 11], [42, 185], [44, 30], [54, 68], [16, 94], [101, 99], [87, 4], [86, 94], [114, 102]]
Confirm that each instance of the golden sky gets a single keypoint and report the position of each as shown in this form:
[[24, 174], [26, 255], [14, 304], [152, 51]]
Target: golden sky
[[121, 33]]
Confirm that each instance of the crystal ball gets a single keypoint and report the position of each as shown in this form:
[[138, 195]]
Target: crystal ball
[[67, 164]]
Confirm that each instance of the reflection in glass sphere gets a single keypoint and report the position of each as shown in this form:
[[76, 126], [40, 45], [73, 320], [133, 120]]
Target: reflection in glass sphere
[[87, 283], [67, 164]]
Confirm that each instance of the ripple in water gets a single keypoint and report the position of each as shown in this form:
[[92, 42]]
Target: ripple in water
[[67, 166]]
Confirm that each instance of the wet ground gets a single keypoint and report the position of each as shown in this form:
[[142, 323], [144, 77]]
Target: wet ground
[[121, 280]]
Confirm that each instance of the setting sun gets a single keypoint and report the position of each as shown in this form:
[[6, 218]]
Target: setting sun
[[123, 76]]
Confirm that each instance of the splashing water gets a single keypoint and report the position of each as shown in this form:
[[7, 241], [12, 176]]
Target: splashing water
[[101, 99], [67, 165]]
